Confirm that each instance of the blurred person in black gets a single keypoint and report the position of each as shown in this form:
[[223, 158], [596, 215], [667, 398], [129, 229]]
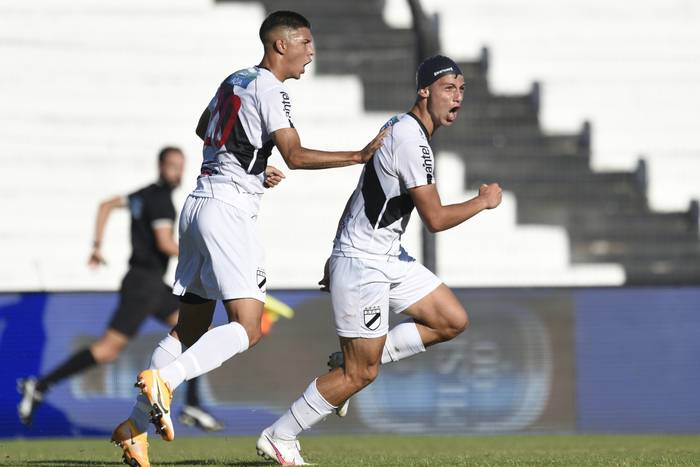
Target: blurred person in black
[[142, 293]]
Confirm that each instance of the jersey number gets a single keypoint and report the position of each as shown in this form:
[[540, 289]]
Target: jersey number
[[227, 106]]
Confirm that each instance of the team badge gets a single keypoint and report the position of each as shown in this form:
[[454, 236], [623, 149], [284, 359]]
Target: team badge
[[261, 279], [372, 317]]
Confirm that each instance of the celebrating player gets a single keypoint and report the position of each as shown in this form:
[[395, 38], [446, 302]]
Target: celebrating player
[[221, 255], [370, 275]]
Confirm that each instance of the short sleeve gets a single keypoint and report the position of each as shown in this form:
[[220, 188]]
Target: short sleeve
[[161, 211], [275, 109], [415, 163]]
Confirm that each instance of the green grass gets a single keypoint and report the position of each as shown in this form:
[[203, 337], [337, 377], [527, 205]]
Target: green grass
[[379, 450]]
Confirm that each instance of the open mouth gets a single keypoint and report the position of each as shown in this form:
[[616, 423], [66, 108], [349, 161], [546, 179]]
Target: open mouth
[[452, 114], [303, 69]]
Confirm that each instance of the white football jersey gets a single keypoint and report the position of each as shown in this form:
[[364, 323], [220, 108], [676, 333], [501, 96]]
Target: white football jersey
[[248, 107], [379, 209]]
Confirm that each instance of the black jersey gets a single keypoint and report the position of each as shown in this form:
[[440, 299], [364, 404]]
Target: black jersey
[[150, 207]]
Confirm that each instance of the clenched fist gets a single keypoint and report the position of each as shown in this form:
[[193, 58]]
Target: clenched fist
[[491, 194]]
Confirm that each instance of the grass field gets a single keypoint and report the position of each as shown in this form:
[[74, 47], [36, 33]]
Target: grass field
[[378, 450]]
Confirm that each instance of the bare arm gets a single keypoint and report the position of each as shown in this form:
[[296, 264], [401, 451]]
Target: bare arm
[[203, 124], [437, 217], [103, 213], [298, 157], [164, 239]]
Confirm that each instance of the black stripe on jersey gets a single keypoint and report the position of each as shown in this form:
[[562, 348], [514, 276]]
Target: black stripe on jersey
[[372, 193], [374, 198], [239, 145], [396, 209]]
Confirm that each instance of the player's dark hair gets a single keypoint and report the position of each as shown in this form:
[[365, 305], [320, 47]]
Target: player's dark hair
[[284, 18], [164, 152]]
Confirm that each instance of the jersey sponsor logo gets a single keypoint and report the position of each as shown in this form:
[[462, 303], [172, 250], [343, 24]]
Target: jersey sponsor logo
[[261, 279], [372, 316], [286, 104], [427, 163]]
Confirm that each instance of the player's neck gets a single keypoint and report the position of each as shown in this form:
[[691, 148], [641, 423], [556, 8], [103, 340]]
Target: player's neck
[[274, 67], [422, 114]]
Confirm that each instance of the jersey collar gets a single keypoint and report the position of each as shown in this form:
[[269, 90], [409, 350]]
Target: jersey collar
[[422, 127]]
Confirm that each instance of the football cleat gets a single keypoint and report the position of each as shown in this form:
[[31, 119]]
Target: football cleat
[[192, 415], [31, 398], [134, 445], [337, 360], [159, 396], [283, 452]]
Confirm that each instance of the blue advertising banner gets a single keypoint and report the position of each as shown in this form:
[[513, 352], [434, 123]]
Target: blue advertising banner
[[533, 360], [638, 360]]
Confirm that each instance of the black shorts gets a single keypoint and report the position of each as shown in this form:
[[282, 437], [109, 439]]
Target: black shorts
[[142, 294]]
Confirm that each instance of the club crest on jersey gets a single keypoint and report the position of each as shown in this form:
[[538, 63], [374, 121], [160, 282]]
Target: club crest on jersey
[[261, 279], [372, 317]]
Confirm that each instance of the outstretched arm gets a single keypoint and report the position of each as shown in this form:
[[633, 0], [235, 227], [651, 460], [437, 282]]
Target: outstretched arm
[[103, 213], [298, 157], [437, 217]]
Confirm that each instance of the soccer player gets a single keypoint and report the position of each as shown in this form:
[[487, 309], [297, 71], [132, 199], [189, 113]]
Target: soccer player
[[142, 292], [370, 275], [221, 255]]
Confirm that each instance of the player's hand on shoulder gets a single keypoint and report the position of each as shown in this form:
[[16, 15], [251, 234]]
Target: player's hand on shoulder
[[273, 176], [491, 194], [369, 150], [325, 283], [96, 259]]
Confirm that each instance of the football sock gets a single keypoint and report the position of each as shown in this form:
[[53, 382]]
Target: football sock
[[77, 363], [211, 350], [192, 394], [402, 341], [139, 413], [168, 350], [304, 413]]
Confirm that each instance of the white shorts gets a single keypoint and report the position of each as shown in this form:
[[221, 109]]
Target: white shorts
[[221, 256], [364, 291]]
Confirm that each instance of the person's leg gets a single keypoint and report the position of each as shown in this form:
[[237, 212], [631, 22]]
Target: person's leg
[[435, 318], [192, 413], [216, 345], [322, 396], [104, 350]]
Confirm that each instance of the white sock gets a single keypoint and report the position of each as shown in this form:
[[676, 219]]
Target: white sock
[[168, 350], [209, 352], [304, 413], [402, 341]]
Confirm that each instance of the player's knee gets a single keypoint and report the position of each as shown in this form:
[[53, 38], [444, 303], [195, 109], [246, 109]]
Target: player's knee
[[254, 335], [105, 353], [362, 377], [455, 325]]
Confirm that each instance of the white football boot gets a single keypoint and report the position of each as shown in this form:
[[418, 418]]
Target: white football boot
[[282, 451]]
